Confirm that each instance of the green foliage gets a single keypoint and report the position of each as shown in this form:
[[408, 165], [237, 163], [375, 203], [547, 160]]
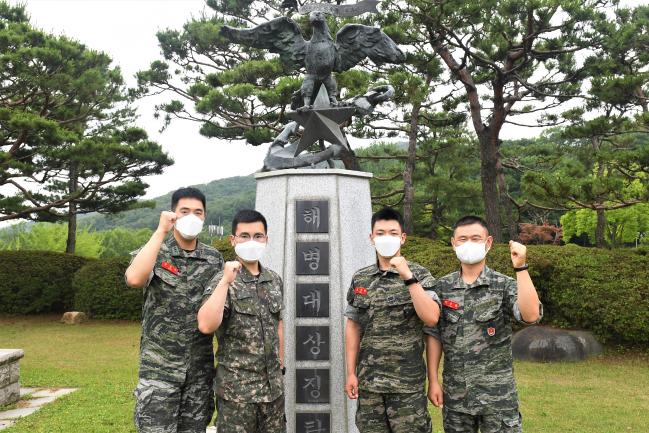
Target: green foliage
[[119, 242], [66, 141], [604, 291], [446, 180], [35, 282], [560, 171], [234, 92], [224, 246], [49, 237], [623, 226], [101, 292], [599, 162]]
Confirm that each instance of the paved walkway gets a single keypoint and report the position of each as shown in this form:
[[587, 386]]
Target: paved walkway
[[31, 399]]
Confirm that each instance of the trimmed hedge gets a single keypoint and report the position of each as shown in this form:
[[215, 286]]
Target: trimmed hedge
[[102, 293], [36, 282]]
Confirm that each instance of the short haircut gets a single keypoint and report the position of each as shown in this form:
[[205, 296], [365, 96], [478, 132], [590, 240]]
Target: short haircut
[[248, 216], [188, 192], [388, 214], [470, 220]]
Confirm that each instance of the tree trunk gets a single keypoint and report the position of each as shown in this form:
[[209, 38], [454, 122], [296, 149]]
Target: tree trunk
[[435, 218], [409, 170], [488, 177], [505, 205], [71, 243], [600, 230]]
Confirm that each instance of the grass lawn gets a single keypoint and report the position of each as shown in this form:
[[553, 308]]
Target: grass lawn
[[609, 394]]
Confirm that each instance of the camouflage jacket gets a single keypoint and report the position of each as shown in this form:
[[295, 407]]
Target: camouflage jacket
[[171, 344], [392, 340], [475, 329], [248, 367]]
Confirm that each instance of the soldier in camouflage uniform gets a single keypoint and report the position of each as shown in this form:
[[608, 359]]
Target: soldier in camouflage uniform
[[479, 306], [388, 304], [244, 304], [174, 391]]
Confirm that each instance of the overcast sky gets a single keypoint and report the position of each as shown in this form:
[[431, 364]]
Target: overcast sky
[[126, 29]]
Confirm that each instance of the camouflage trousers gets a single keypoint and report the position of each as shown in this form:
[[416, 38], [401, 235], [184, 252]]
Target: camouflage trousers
[[393, 413], [164, 407], [509, 421], [234, 417]]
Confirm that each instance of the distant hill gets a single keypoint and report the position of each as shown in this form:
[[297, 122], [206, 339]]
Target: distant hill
[[224, 198]]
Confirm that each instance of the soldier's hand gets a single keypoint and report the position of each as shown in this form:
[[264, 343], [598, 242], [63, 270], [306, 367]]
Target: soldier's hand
[[435, 394], [401, 265], [167, 221], [351, 386], [230, 271], [519, 253]]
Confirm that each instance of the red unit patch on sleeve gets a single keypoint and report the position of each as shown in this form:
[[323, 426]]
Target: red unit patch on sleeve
[[360, 291], [450, 304], [169, 267]]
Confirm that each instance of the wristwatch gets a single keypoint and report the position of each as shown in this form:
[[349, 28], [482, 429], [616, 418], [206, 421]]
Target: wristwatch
[[411, 280], [284, 371], [522, 268]]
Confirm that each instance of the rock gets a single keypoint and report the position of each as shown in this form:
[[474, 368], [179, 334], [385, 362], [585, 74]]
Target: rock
[[74, 318], [545, 344]]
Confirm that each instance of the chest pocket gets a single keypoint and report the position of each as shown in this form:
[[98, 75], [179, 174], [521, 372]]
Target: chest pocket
[[244, 302], [166, 276], [361, 301], [451, 322], [489, 318], [400, 305]]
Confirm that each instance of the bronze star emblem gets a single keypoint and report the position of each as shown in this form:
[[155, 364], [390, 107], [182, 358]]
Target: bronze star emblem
[[322, 124]]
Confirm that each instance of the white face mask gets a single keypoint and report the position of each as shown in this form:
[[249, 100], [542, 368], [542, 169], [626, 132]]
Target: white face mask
[[387, 246], [471, 253], [189, 226], [250, 251]]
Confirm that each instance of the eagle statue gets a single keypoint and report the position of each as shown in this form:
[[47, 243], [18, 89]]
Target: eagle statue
[[321, 55]]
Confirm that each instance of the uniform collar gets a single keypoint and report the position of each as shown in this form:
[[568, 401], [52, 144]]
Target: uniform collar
[[376, 270], [176, 251], [247, 277], [482, 280]]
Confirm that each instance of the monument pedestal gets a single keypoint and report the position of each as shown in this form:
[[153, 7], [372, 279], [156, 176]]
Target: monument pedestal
[[318, 228]]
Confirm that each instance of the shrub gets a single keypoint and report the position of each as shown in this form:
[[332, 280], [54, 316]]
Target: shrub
[[34, 282], [102, 293], [224, 247]]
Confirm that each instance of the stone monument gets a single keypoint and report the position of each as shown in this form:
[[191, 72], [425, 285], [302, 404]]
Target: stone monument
[[318, 214], [318, 228]]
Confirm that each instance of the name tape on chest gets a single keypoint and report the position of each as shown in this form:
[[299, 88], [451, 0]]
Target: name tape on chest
[[360, 291], [450, 304], [171, 268]]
